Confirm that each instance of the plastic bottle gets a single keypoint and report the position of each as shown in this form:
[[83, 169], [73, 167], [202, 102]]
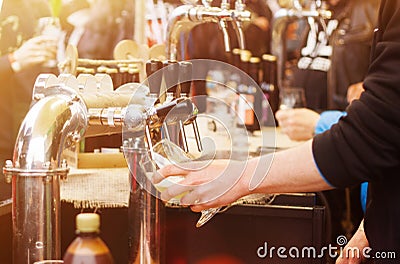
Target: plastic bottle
[[88, 247]]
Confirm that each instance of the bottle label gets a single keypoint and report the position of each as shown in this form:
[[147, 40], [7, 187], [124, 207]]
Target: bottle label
[[245, 109]]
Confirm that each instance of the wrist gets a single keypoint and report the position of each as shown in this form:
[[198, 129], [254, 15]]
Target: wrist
[[361, 227], [15, 65]]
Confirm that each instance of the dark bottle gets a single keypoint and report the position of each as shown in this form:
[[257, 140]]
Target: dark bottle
[[236, 57], [269, 87], [134, 74], [88, 247], [250, 95], [255, 94], [245, 56]]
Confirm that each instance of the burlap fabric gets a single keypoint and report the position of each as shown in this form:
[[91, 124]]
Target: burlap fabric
[[96, 188]]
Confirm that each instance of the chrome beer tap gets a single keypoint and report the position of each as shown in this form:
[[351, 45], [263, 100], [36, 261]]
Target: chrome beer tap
[[282, 18], [37, 168], [185, 17], [38, 165], [185, 83], [238, 19]]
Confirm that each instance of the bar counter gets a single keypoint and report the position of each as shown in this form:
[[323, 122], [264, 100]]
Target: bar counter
[[235, 234]]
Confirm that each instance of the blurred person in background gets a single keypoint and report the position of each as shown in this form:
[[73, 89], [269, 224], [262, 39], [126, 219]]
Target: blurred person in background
[[331, 66], [22, 58], [335, 53], [301, 124], [100, 26]]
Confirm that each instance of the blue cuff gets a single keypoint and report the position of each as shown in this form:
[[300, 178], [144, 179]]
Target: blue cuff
[[364, 193], [327, 119]]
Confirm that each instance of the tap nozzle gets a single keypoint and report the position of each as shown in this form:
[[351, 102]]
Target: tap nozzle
[[225, 4], [224, 28]]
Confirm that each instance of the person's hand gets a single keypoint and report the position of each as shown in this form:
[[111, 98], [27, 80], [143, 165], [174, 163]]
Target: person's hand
[[358, 241], [299, 123], [35, 51], [216, 184], [354, 92]]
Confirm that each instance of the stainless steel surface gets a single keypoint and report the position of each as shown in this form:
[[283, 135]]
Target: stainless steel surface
[[5, 207], [57, 119], [52, 124], [145, 211]]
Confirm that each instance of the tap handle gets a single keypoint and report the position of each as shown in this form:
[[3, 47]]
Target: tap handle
[[206, 3], [186, 70], [225, 4], [176, 110], [154, 76], [171, 77]]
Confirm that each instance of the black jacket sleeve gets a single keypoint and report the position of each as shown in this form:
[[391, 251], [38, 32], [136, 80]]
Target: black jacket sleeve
[[365, 144]]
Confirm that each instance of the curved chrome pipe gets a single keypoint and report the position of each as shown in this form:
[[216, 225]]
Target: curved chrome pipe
[[185, 17], [237, 25], [224, 28], [51, 125]]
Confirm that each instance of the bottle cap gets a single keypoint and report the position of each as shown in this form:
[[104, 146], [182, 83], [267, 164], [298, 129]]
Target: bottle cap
[[245, 55], [102, 69], [88, 222], [236, 51], [123, 69], [255, 60], [133, 70], [89, 71], [269, 57], [111, 71]]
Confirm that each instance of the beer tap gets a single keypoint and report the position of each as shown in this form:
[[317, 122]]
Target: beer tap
[[176, 132], [154, 79], [38, 163], [185, 80], [238, 18], [185, 17], [282, 18]]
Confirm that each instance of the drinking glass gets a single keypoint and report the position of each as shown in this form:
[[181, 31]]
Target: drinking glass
[[161, 155], [292, 97], [50, 26]]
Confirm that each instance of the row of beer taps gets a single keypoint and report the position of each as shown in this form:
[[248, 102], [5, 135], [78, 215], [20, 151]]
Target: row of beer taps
[[185, 17]]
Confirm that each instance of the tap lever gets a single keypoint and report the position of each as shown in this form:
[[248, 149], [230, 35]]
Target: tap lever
[[177, 110], [183, 137], [171, 77], [185, 78], [197, 136], [154, 76]]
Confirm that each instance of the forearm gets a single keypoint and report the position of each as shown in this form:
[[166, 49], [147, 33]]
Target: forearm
[[291, 170]]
